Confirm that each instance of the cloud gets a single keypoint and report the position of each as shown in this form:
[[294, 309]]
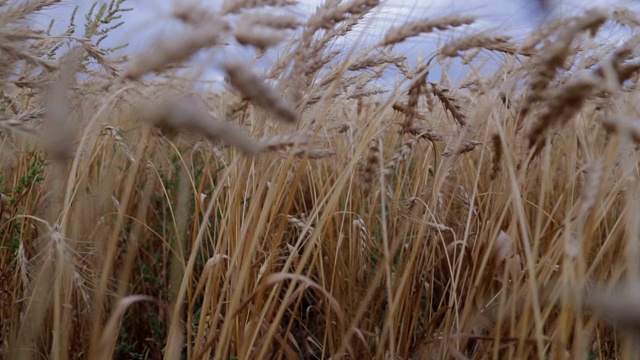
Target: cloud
[[150, 20], [511, 16]]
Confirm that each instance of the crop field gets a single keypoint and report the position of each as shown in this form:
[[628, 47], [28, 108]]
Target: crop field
[[347, 200]]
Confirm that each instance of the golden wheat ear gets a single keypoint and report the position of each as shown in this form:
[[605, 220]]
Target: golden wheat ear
[[619, 307], [189, 115], [253, 88]]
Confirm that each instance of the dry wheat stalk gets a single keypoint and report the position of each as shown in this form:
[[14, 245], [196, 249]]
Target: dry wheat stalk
[[17, 125], [193, 13], [400, 156], [441, 228], [363, 79], [255, 89], [9, 103], [237, 107], [542, 33], [465, 147], [314, 154], [474, 84], [17, 53], [470, 55], [415, 28], [261, 37], [590, 22], [445, 65], [381, 58], [271, 20], [554, 54], [188, 115], [11, 33], [416, 88], [335, 32], [626, 127], [625, 16], [404, 69], [328, 16], [430, 100], [450, 103], [490, 42], [27, 116], [424, 133], [300, 224], [314, 98], [372, 163], [24, 59], [58, 138], [591, 59], [282, 142], [626, 51], [20, 10], [48, 46], [626, 71], [496, 159], [317, 63], [614, 70], [113, 132], [173, 49], [561, 107], [363, 240], [340, 129], [618, 306], [23, 262], [310, 53], [591, 189], [100, 56], [360, 94], [235, 6], [404, 109], [318, 51]]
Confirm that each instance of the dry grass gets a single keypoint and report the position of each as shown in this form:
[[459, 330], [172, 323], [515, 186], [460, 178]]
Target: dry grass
[[308, 212]]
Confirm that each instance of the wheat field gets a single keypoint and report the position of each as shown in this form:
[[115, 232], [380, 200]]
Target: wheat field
[[310, 209]]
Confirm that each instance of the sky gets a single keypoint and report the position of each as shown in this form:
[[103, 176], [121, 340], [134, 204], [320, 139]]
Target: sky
[[151, 19]]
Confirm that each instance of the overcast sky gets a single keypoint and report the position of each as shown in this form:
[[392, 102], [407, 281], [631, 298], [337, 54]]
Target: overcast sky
[[150, 19], [515, 17]]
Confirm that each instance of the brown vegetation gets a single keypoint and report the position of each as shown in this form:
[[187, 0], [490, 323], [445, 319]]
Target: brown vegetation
[[308, 213]]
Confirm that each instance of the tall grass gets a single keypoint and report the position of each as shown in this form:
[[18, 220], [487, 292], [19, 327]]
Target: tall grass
[[307, 212]]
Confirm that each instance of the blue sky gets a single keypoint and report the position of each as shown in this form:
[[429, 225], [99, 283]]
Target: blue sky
[[150, 19], [514, 17]]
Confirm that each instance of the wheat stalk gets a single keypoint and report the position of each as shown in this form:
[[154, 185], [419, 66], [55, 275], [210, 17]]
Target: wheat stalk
[[562, 106], [261, 37], [489, 42], [465, 147], [375, 60], [553, 56], [255, 89], [189, 116], [113, 132], [372, 163], [235, 6], [450, 103], [398, 34], [401, 155], [496, 159], [175, 48]]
